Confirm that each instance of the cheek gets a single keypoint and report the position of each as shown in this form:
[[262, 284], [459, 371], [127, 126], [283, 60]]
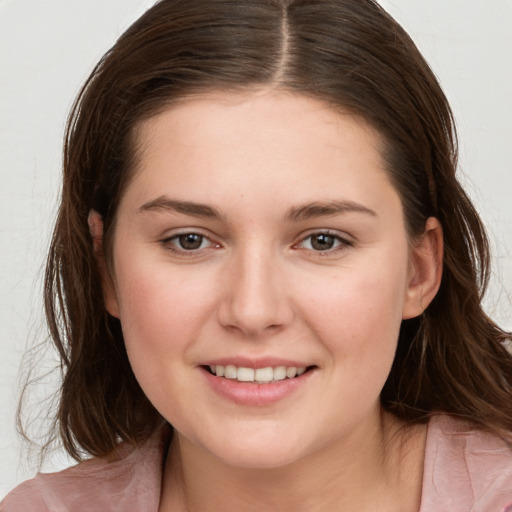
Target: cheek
[[354, 302], [161, 309], [357, 313], [359, 329], [161, 314]]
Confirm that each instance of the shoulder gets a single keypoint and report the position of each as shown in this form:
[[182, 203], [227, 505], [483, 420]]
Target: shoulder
[[130, 482], [466, 468]]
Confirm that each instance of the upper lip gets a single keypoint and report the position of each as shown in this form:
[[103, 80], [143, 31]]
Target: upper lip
[[250, 362]]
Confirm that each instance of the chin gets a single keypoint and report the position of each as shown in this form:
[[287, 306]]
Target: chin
[[263, 452], [260, 459]]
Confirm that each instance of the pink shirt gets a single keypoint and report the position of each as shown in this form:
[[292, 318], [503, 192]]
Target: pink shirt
[[466, 470]]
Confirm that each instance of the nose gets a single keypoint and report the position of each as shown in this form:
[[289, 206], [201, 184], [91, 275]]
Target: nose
[[256, 300]]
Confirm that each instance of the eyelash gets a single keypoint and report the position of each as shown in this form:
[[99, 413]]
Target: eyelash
[[169, 244], [340, 242]]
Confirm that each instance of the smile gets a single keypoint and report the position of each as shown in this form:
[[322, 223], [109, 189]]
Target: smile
[[258, 375], [257, 383]]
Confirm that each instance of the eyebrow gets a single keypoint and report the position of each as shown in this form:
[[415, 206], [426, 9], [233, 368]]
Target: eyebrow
[[185, 207], [295, 214], [326, 208]]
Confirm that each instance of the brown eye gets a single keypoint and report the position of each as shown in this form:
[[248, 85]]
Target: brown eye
[[188, 244], [322, 242], [189, 241]]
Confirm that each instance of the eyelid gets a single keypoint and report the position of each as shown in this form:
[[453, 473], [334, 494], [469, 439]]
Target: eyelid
[[166, 239], [345, 241]]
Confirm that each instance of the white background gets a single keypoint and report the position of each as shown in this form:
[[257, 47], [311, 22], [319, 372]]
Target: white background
[[47, 49]]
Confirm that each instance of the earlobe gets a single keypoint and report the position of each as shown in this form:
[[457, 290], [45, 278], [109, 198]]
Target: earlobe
[[95, 222], [426, 269]]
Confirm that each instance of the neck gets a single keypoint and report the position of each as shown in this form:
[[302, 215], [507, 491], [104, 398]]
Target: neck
[[381, 472]]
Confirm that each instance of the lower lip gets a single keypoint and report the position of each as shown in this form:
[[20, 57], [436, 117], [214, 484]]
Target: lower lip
[[252, 393]]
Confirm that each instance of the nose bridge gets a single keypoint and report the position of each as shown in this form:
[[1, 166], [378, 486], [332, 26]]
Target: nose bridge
[[256, 297]]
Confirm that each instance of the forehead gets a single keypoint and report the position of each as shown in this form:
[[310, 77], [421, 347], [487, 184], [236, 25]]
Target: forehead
[[255, 117], [222, 147]]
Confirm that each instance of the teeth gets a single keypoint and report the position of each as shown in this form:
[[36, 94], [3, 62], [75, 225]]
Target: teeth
[[261, 375], [264, 374], [280, 373], [291, 372], [245, 374], [230, 372]]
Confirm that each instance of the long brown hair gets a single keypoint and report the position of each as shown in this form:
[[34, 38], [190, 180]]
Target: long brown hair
[[348, 53]]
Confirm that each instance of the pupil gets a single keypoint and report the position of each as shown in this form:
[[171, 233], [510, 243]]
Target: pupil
[[322, 242], [190, 241]]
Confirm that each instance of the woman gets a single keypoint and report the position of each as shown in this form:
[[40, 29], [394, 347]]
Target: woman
[[265, 277]]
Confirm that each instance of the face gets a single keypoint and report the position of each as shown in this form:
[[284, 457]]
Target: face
[[261, 273]]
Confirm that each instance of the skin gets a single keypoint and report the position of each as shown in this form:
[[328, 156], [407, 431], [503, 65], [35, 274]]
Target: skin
[[258, 287]]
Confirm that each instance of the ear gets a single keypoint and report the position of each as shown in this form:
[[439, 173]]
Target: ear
[[425, 270], [95, 222]]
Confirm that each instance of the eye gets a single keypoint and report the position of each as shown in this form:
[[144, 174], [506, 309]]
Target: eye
[[188, 242], [324, 242]]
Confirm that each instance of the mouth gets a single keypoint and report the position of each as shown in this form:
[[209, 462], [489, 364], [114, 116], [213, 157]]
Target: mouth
[[265, 375]]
